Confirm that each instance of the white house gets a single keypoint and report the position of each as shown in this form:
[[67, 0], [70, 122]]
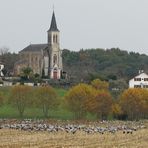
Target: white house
[[1, 68], [139, 81]]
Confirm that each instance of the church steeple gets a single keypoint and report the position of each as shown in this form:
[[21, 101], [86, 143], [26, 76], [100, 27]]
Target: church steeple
[[55, 54], [53, 26]]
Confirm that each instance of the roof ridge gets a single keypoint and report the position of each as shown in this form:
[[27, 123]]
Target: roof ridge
[[34, 47], [39, 44]]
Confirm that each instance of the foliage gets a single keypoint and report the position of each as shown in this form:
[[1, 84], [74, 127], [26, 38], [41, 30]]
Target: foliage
[[82, 101], [76, 99], [8, 59], [103, 64], [100, 85], [116, 110], [20, 98], [100, 104], [134, 103], [46, 98], [117, 87], [26, 73]]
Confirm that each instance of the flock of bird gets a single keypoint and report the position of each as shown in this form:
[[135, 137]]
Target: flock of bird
[[39, 125]]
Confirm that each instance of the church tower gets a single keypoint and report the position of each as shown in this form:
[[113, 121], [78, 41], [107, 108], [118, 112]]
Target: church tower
[[55, 54]]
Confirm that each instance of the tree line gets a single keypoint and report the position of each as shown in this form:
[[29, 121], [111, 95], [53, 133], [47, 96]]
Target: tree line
[[93, 98], [109, 64]]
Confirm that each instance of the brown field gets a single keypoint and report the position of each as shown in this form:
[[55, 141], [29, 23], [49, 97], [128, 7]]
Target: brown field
[[22, 139]]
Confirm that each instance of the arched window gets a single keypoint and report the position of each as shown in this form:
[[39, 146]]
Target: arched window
[[54, 38], [55, 59]]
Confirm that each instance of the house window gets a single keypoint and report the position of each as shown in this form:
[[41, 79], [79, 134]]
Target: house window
[[145, 86], [145, 79], [137, 79], [137, 86]]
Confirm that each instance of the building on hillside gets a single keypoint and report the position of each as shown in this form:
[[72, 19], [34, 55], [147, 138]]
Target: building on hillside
[[1, 68], [139, 81], [43, 59]]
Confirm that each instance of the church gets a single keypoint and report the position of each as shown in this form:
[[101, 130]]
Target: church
[[43, 59]]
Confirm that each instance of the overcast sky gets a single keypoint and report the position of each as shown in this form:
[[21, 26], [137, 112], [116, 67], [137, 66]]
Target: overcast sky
[[82, 23]]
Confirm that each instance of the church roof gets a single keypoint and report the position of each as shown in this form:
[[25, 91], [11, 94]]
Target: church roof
[[34, 47], [53, 26]]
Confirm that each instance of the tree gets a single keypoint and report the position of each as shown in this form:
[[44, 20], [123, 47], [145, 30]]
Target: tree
[[145, 103], [101, 104], [117, 87], [116, 110], [20, 98], [26, 73], [46, 98], [100, 85], [134, 103], [77, 99], [8, 59], [4, 50]]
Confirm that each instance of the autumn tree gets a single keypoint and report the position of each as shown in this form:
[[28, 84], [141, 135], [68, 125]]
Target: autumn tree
[[101, 104], [145, 103], [20, 98], [116, 110], [46, 98], [77, 99], [100, 85], [134, 103]]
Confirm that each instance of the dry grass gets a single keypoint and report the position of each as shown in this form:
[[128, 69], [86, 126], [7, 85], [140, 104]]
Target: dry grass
[[20, 139]]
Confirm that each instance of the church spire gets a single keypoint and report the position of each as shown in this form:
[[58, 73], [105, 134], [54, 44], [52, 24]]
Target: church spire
[[53, 26]]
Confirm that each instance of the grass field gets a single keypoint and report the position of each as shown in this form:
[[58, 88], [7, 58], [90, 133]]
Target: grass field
[[19, 139], [8, 111]]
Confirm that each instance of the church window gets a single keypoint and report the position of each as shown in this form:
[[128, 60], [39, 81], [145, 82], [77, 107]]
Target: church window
[[55, 59], [56, 39]]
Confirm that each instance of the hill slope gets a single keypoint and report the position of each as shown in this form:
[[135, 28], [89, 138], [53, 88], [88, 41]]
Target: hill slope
[[105, 64]]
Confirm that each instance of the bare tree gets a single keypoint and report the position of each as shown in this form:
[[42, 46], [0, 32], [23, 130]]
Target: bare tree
[[4, 50]]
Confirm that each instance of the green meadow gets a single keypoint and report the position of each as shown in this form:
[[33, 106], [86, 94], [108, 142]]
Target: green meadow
[[59, 113]]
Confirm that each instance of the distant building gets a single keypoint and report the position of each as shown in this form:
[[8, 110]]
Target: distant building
[[43, 59], [1, 68], [139, 81]]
